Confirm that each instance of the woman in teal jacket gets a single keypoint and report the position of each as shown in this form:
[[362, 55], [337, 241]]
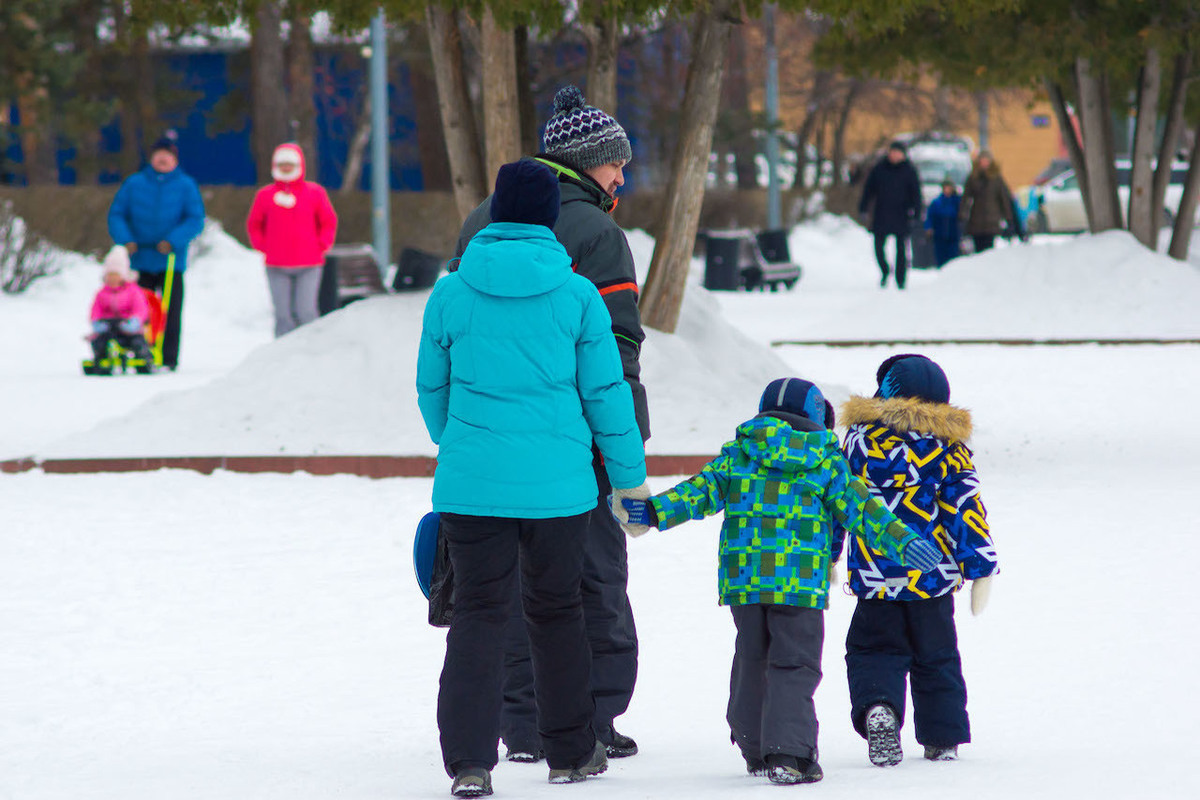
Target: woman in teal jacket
[[518, 375]]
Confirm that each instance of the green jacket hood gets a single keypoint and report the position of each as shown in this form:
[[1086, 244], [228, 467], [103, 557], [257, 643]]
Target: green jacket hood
[[512, 259], [775, 444]]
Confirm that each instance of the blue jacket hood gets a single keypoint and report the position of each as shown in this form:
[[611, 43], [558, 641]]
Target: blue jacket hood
[[512, 259]]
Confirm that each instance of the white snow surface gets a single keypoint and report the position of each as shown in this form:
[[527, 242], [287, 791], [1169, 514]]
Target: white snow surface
[[175, 635]]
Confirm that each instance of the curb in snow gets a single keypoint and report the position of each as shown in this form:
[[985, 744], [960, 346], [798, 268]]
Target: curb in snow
[[1003, 342], [364, 466]]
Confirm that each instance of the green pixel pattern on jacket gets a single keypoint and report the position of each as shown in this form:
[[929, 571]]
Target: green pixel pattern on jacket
[[782, 491]]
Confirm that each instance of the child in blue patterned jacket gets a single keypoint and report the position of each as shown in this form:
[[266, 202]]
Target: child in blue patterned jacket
[[909, 444], [785, 488]]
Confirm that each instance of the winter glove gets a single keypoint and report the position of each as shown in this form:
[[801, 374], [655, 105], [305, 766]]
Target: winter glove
[[100, 326], [163, 247], [920, 554], [980, 589], [131, 326], [131, 247], [640, 512], [618, 508]]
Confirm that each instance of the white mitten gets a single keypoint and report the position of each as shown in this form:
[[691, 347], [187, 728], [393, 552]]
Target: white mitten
[[833, 574], [980, 589], [618, 510]]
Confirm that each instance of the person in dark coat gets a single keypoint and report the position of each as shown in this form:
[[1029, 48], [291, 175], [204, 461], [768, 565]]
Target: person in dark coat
[[941, 223], [157, 212], [587, 149], [892, 198], [987, 204]]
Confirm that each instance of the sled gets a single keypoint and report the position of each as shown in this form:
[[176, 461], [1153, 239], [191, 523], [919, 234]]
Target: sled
[[425, 545]]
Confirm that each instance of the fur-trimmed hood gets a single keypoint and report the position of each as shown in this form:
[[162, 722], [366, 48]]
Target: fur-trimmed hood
[[909, 415]]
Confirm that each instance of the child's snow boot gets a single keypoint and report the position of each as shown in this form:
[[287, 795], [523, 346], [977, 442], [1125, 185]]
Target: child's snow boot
[[942, 753], [524, 755], [883, 736], [471, 782], [784, 769], [756, 766], [597, 763], [621, 746]]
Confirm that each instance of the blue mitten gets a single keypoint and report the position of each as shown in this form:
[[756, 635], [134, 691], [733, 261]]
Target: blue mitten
[[616, 500], [920, 554], [100, 326], [640, 512], [131, 325]]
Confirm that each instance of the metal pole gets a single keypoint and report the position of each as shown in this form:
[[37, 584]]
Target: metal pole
[[774, 215], [380, 169]]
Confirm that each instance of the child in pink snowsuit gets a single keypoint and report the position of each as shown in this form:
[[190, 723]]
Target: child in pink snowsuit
[[293, 224], [120, 310]]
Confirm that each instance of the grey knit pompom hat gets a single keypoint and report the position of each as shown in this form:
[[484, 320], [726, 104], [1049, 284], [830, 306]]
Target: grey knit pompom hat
[[583, 136]]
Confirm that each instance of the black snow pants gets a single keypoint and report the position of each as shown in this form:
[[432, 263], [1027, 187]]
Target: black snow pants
[[485, 553], [890, 640]]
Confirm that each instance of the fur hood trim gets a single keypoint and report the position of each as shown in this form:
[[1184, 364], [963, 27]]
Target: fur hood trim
[[909, 415]]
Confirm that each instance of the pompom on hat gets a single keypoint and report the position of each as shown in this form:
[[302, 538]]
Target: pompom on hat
[[169, 141], [912, 375], [583, 136], [527, 192]]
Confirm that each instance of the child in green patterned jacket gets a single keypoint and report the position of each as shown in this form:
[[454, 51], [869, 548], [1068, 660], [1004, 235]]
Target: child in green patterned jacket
[[787, 492]]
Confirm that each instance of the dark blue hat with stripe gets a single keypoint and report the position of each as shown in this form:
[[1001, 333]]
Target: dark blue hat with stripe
[[912, 375], [797, 396]]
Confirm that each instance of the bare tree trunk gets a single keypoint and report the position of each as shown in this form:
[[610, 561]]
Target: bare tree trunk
[[839, 134], [736, 121], [90, 86], [1185, 217], [818, 96], [36, 137], [358, 148], [458, 118], [1066, 127], [501, 121], [1104, 213], [526, 107], [268, 100], [435, 166], [1141, 179], [1110, 151], [603, 39], [663, 296], [302, 107], [1171, 133]]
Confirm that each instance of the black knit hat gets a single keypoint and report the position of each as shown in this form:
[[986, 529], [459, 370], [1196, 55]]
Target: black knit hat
[[526, 191], [583, 136], [797, 396], [912, 375], [169, 141], [898, 145]]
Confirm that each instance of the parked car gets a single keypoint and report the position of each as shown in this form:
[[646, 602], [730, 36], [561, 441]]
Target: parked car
[[1057, 206], [938, 161]]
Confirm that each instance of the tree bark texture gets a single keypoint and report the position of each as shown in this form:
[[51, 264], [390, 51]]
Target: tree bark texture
[[526, 107], [268, 100], [736, 116], [818, 97], [1104, 212], [663, 296], [1066, 127], [302, 107], [1142, 223], [603, 34], [431, 145], [358, 147], [839, 133], [1185, 217], [501, 119], [458, 118], [1171, 133]]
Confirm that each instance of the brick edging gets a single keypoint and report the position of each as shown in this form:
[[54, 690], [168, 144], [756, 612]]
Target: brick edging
[[364, 466]]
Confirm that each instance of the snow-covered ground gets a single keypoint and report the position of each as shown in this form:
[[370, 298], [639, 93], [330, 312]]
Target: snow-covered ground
[[174, 635]]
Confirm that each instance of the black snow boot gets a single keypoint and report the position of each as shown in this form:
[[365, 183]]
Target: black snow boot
[[883, 736], [784, 769]]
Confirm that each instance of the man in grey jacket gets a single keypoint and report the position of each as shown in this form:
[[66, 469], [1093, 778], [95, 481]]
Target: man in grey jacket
[[588, 150]]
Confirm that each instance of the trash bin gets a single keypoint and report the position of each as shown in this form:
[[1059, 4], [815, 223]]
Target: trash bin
[[416, 270], [773, 244], [721, 257]]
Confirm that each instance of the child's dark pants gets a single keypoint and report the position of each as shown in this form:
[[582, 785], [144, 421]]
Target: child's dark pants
[[890, 640], [776, 669]]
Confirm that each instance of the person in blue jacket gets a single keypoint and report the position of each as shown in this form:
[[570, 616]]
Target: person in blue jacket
[[157, 212], [517, 374], [941, 223]]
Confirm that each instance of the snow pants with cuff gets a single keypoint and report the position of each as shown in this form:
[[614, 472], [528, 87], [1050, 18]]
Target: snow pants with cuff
[[776, 670], [611, 635], [485, 553], [891, 640]]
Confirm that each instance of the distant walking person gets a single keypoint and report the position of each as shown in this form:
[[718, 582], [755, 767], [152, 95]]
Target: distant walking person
[[941, 223], [892, 197], [293, 224], [986, 203], [157, 212]]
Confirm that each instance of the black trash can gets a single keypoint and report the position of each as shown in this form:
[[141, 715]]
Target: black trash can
[[721, 256], [773, 244], [416, 270]]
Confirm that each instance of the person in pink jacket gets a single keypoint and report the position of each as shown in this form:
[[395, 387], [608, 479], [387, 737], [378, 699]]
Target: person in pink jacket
[[293, 224], [120, 311]]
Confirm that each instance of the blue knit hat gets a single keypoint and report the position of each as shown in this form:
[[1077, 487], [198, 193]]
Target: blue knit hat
[[797, 396], [912, 375], [526, 191], [583, 136]]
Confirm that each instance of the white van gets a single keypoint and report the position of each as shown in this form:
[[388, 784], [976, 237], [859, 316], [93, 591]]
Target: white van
[[1060, 207]]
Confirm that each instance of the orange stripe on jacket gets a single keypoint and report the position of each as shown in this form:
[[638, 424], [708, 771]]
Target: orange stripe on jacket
[[619, 288]]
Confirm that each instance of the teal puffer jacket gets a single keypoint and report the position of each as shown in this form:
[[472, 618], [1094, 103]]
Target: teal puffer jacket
[[517, 375]]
